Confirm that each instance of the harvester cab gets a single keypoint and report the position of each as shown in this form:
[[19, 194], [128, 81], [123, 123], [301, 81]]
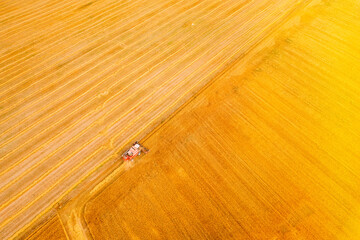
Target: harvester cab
[[134, 151]]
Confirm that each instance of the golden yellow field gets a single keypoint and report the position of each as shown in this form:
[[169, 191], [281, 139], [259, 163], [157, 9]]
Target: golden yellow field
[[52, 229], [268, 149], [269, 154]]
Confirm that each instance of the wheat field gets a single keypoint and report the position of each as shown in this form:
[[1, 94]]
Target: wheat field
[[250, 110]]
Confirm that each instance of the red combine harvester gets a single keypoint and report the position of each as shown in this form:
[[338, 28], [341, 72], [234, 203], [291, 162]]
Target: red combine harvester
[[134, 151]]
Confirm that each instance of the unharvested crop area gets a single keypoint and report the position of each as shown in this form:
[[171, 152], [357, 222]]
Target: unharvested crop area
[[268, 151]]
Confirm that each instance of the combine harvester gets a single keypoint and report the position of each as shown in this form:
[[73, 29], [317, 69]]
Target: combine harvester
[[134, 151]]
